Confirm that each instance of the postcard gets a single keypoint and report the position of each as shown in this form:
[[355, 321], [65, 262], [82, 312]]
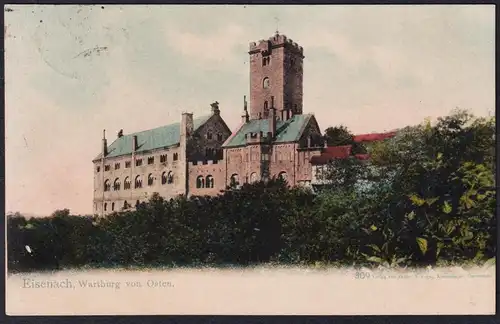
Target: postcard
[[250, 160]]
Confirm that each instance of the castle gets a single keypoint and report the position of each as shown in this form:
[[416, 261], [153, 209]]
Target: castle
[[201, 156]]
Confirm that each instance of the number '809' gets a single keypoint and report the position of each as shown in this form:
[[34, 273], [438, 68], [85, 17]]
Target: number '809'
[[362, 275]]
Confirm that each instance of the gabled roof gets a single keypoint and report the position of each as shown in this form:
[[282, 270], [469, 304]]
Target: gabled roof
[[286, 131], [151, 139]]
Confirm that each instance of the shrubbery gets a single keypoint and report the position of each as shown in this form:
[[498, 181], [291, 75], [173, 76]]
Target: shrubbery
[[428, 196]]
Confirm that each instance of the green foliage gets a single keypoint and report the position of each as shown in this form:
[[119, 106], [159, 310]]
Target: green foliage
[[340, 135], [427, 196]]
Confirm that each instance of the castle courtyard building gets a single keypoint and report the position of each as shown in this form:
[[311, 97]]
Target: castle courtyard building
[[201, 156]]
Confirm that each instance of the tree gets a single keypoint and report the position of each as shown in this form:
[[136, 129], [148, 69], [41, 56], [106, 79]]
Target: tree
[[339, 136]]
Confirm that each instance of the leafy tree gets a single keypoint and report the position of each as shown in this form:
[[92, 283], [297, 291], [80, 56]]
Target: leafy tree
[[340, 135]]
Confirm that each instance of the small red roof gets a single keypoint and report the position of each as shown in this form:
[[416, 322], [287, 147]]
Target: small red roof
[[373, 137], [330, 153]]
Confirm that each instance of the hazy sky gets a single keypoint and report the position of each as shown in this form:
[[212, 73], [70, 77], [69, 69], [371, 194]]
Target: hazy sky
[[371, 68]]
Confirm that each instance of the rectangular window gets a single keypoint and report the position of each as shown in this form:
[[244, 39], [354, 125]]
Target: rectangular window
[[98, 168], [176, 156], [151, 160], [117, 166], [163, 158], [127, 164], [106, 167], [138, 162]]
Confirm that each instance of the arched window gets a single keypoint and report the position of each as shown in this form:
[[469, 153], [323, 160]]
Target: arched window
[[283, 176], [200, 182], [107, 185], [125, 205], [209, 182], [151, 179], [176, 156], [112, 206], [116, 184], [126, 183], [105, 206], [138, 182], [163, 178], [219, 137], [234, 181], [265, 83], [209, 135], [170, 177], [253, 177]]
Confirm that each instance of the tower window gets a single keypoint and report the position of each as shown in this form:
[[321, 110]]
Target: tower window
[[265, 83]]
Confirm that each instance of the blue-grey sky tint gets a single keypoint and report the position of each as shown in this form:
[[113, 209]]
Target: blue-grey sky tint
[[72, 71]]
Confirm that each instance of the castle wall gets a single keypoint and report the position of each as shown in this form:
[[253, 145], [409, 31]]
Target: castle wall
[[132, 195], [214, 169]]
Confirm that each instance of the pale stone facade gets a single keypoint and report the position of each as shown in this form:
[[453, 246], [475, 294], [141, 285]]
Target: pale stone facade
[[274, 139]]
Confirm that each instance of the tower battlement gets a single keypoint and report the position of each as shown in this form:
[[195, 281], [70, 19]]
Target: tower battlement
[[275, 41]]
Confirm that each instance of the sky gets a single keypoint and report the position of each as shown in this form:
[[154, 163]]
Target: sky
[[72, 71]]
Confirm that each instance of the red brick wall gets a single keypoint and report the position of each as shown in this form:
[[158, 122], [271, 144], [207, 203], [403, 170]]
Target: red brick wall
[[284, 70], [217, 171]]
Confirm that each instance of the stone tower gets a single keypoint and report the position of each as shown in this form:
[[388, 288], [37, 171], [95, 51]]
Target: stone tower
[[276, 70]]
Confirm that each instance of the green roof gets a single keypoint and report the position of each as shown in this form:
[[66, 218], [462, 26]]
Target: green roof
[[287, 131], [148, 140]]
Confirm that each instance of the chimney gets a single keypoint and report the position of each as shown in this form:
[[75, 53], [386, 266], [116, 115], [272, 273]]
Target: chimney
[[104, 144], [187, 124], [272, 122], [244, 117], [134, 143], [215, 108]]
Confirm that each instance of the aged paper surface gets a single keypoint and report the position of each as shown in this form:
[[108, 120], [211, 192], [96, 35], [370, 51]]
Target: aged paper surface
[[260, 291], [199, 100]]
